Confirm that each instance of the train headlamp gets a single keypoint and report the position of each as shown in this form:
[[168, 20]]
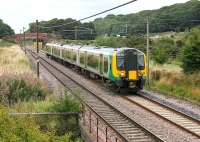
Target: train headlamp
[[122, 74]]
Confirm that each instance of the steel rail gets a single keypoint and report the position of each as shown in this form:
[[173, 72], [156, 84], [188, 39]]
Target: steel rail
[[172, 110]]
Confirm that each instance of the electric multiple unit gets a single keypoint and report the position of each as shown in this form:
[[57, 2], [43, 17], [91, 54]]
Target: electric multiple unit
[[125, 67]]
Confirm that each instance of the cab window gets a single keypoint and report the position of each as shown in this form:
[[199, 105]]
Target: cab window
[[140, 60], [120, 60]]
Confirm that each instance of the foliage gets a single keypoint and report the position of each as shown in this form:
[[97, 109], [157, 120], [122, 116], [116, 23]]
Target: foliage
[[117, 42], [4, 43], [177, 84], [59, 125], [84, 30], [5, 30], [191, 52], [170, 18], [14, 129], [20, 88], [164, 49], [14, 61], [68, 103]]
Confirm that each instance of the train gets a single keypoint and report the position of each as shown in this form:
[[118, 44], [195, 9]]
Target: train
[[124, 67]]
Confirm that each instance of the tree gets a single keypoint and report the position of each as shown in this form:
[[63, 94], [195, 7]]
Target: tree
[[164, 49], [160, 56], [176, 17], [191, 52], [66, 29], [5, 30]]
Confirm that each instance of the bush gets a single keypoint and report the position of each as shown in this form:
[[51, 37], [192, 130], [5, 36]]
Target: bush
[[165, 49], [58, 125], [19, 129], [18, 88], [191, 52], [160, 56]]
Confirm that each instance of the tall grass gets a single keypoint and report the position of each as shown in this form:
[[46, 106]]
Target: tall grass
[[23, 92], [13, 61], [17, 81], [4, 43], [176, 83]]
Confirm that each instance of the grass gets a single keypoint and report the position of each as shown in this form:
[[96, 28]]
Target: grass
[[170, 80], [21, 91], [57, 125], [26, 129], [13, 61], [4, 43], [51, 103]]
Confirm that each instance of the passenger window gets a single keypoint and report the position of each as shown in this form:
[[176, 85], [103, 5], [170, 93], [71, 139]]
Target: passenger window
[[105, 65], [82, 58], [92, 61]]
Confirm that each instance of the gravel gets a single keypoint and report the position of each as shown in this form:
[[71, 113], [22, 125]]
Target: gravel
[[186, 107]]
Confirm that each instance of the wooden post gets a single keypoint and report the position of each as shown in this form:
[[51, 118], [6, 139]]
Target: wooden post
[[97, 130], [106, 134], [90, 123], [37, 40], [24, 40]]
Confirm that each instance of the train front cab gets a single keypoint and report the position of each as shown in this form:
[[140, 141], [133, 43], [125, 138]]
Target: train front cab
[[131, 68]]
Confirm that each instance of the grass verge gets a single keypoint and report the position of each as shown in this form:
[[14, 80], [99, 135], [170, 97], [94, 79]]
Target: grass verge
[[178, 84], [4, 43]]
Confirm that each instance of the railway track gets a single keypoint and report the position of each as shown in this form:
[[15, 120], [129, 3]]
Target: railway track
[[173, 116], [124, 126]]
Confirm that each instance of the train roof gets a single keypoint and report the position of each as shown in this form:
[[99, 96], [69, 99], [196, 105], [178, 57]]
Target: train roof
[[93, 49]]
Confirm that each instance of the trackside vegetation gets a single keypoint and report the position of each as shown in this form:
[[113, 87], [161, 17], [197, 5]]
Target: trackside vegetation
[[184, 80], [21, 91]]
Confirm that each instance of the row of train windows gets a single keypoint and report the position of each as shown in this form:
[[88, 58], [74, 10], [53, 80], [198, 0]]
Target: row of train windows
[[92, 60]]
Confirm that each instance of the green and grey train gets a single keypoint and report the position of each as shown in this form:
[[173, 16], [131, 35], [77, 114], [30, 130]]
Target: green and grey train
[[125, 67]]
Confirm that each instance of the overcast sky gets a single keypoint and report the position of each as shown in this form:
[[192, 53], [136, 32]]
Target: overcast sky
[[19, 13]]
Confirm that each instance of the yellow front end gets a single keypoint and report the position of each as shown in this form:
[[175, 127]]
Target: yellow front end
[[133, 75]]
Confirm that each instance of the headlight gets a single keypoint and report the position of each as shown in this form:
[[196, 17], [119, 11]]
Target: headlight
[[122, 74]]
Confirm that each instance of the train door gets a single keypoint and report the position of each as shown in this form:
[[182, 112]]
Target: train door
[[131, 64], [101, 64]]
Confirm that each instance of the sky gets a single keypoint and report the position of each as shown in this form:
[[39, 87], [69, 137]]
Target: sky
[[19, 13]]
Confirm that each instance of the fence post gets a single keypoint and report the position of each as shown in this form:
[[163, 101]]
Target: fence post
[[24, 40], [97, 130], [90, 123], [106, 134], [37, 39]]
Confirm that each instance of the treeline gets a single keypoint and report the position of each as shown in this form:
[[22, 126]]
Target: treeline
[[63, 29], [177, 17], [174, 48], [5, 30]]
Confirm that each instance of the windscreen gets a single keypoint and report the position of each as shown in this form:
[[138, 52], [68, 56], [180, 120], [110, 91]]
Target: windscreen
[[120, 60], [130, 60], [140, 60]]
